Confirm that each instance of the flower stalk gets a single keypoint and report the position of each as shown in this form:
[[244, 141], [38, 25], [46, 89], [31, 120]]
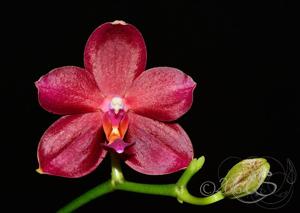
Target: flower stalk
[[117, 176], [118, 182]]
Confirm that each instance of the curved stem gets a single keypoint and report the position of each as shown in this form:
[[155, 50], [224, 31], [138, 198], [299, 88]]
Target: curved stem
[[188, 198], [193, 168], [117, 182], [90, 195]]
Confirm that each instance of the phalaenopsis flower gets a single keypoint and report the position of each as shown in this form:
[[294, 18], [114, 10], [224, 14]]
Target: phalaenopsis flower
[[113, 105]]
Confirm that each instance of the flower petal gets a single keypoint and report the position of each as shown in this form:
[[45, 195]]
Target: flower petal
[[116, 54], [159, 148], [71, 147], [68, 90], [162, 93]]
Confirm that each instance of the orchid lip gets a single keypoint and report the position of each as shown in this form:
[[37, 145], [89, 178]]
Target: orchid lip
[[118, 145]]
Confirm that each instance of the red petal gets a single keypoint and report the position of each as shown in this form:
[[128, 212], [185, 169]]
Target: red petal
[[116, 54], [159, 148], [68, 90], [162, 93], [71, 147]]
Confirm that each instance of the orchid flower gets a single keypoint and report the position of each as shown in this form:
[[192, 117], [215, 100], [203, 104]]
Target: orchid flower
[[114, 105]]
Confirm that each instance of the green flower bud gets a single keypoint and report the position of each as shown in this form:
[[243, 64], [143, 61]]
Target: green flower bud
[[245, 178]]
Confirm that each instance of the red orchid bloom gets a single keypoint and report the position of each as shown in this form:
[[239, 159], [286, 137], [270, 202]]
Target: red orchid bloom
[[114, 105]]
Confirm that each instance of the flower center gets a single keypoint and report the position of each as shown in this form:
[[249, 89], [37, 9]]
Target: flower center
[[115, 125], [116, 104]]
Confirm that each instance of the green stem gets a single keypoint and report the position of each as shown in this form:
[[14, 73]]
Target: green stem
[[116, 171], [201, 201], [153, 189], [170, 190], [193, 168], [117, 182], [102, 189]]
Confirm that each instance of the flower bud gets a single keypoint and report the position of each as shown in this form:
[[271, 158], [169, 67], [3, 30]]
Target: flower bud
[[245, 178]]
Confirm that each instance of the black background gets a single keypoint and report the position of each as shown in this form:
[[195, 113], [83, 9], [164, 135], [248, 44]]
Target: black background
[[245, 103]]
